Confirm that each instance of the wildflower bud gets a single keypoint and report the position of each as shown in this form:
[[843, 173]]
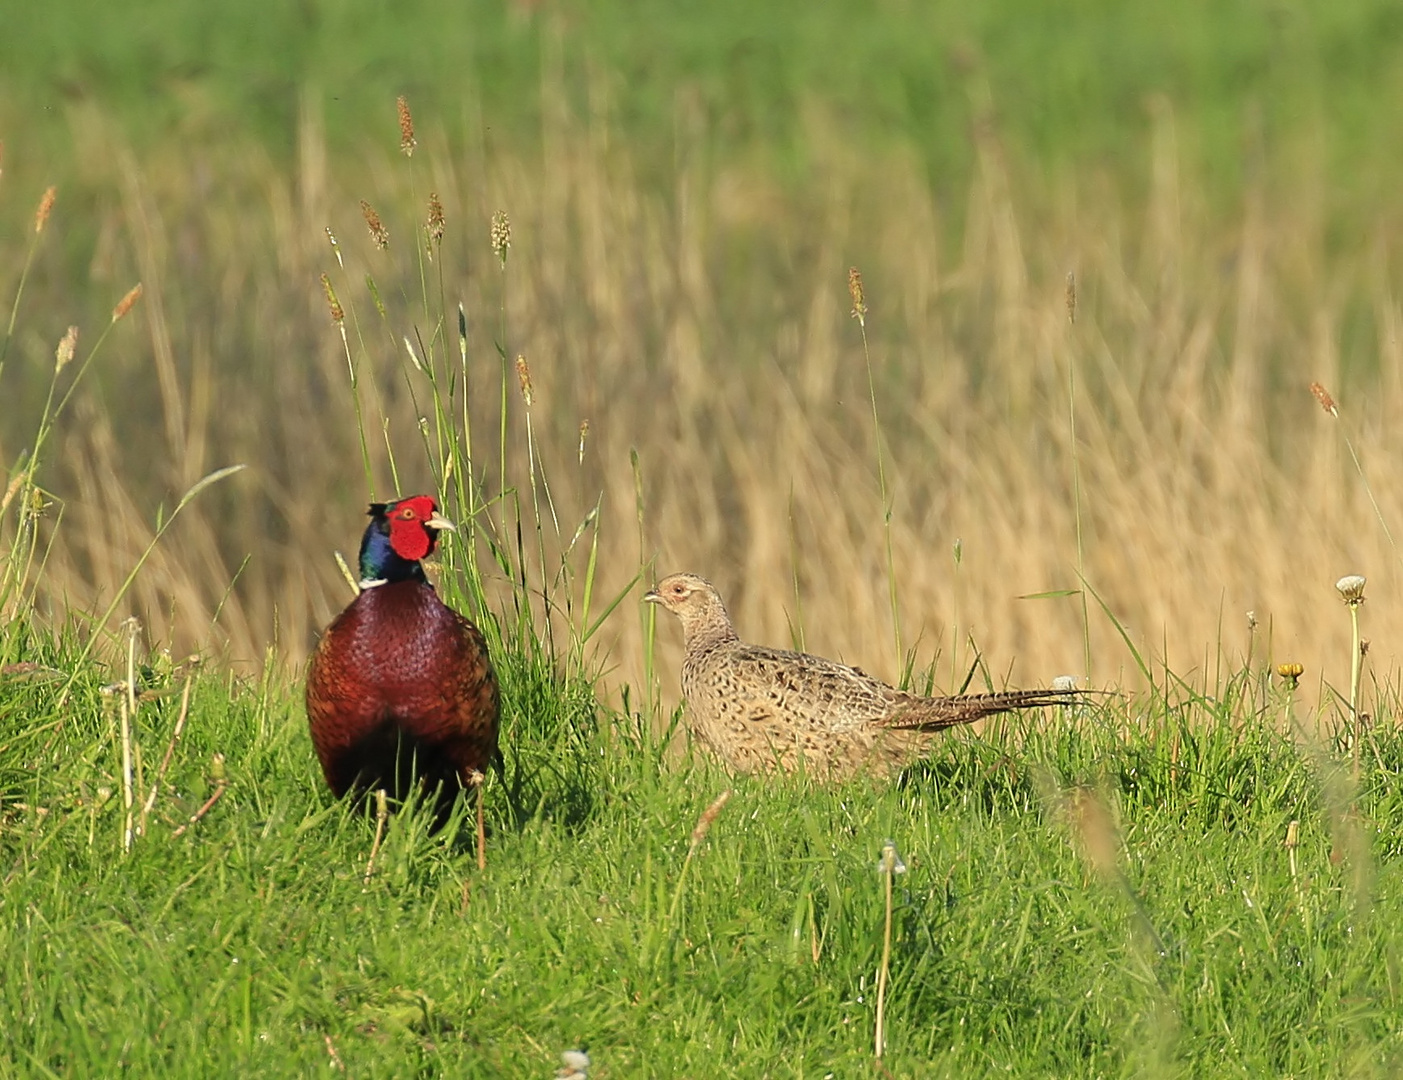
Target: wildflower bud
[[127, 302], [1351, 589], [1251, 621], [523, 373], [501, 235], [63, 355], [406, 127], [859, 311], [378, 233], [46, 206], [1290, 673], [1293, 834], [1323, 396], [337, 315]]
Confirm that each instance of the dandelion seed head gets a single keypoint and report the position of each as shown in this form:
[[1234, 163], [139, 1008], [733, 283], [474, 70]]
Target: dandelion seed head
[[1351, 589], [890, 862]]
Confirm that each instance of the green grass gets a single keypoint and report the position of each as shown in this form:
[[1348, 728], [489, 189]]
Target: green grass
[[240, 947], [1100, 892], [1070, 82]]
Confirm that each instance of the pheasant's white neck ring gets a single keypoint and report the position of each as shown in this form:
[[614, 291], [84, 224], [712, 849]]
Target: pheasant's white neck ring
[[370, 583]]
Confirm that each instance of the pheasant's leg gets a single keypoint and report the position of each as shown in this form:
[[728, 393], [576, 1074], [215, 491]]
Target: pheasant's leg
[[477, 780]]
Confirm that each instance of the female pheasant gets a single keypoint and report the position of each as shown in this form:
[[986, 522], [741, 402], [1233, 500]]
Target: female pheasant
[[761, 709], [401, 685]]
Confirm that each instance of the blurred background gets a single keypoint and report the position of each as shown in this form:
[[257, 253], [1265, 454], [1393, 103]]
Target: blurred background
[[687, 187]]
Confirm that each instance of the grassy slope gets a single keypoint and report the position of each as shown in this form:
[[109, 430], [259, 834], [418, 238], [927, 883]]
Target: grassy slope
[[239, 947], [1070, 81]]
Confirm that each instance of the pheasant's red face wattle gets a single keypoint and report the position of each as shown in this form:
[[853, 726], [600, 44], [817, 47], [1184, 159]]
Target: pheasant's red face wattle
[[409, 537]]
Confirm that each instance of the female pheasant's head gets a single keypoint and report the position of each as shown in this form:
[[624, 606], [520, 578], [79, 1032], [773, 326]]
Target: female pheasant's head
[[398, 536], [696, 602]]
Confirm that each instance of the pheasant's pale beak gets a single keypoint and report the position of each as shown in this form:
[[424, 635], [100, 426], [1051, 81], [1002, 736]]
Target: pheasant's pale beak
[[652, 596], [439, 522]]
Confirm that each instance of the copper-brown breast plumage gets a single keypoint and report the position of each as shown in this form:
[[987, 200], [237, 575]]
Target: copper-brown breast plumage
[[398, 670]]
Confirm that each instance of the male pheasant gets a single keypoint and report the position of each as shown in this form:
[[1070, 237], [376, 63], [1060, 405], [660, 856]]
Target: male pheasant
[[762, 709], [401, 685]]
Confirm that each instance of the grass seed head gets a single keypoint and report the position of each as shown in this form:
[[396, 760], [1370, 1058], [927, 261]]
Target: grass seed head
[[406, 127], [1323, 396], [435, 224], [501, 235], [1093, 825], [63, 355], [523, 374], [584, 434], [859, 298], [709, 815], [337, 314], [46, 206], [335, 247], [127, 302], [378, 233], [1070, 297]]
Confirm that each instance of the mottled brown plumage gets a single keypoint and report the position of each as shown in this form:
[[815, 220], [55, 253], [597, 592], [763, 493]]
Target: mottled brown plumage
[[401, 685], [761, 709]]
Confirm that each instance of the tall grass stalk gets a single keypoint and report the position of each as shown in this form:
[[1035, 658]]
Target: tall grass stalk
[[1327, 403], [859, 312], [1070, 297], [41, 219]]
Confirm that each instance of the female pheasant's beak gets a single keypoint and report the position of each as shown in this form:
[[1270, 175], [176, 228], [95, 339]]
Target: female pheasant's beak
[[440, 522], [652, 597]]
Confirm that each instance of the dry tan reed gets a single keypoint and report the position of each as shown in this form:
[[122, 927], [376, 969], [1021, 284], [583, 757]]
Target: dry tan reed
[[705, 327]]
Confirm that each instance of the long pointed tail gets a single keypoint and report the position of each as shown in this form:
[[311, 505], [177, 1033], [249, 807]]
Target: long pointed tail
[[933, 714]]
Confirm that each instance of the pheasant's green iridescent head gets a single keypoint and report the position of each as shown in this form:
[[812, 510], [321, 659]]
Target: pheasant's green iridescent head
[[399, 535]]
